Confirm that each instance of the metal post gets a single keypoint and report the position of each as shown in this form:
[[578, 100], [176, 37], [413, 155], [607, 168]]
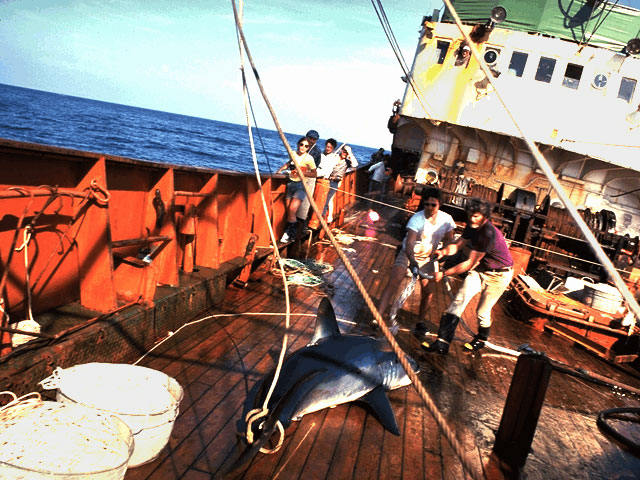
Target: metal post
[[521, 412]]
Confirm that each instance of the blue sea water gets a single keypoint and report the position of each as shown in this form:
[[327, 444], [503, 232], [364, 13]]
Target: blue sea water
[[83, 124]]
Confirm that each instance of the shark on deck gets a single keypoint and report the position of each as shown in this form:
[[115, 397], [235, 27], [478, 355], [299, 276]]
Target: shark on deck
[[331, 370]]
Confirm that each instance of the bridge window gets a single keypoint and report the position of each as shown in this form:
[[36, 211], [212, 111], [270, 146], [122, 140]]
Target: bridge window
[[442, 48], [572, 76], [517, 63], [545, 69], [627, 87]]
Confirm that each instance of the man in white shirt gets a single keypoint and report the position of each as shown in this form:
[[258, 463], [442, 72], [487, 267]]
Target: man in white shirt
[[425, 231], [379, 176]]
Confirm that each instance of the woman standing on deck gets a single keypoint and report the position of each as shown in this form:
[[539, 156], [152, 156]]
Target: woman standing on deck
[[490, 268], [295, 191]]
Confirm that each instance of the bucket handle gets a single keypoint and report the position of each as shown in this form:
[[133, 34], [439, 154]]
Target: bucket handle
[[175, 415], [53, 381], [588, 279]]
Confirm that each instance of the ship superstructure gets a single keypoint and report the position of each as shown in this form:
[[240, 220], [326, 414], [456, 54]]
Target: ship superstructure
[[568, 75]]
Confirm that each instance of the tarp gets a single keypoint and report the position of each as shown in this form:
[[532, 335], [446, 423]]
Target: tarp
[[597, 23]]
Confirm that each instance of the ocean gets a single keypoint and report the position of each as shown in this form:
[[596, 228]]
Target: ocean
[[79, 123]]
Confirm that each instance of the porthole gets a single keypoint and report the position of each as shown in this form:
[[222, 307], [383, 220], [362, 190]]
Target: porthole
[[491, 56], [600, 81]]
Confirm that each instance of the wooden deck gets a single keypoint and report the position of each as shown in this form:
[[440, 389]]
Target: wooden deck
[[219, 359]]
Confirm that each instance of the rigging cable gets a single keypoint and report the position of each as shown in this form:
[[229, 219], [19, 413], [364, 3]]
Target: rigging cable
[[598, 25], [426, 398], [384, 21]]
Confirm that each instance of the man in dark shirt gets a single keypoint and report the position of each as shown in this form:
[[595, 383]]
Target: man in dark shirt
[[490, 268]]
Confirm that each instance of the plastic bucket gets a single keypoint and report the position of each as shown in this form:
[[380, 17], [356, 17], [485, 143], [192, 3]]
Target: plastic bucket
[[145, 399], [603, 297], [51, 440]]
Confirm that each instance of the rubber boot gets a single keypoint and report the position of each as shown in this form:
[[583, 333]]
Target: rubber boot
[[448, 325], [301, 227], [289, 232], [420, 330], [479, 340]]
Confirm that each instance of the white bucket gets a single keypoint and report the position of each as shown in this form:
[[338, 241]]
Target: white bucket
[[51, 440], [603, 297], [145, 399]]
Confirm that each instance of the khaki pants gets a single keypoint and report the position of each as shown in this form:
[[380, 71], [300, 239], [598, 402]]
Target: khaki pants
[[320, 197], [490, 286]]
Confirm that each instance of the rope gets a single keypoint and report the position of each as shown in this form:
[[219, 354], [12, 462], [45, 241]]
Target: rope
[[285, 337], [18, 405], [26, 237], [12, 248], [447, 432], [562, 254]]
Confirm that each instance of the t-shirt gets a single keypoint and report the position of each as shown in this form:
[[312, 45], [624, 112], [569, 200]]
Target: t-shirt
[[429, 235], [327, 164], [377, 172], [489, 240], [306, 163]]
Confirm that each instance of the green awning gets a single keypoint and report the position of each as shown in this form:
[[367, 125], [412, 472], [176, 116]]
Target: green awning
[[602, 24]]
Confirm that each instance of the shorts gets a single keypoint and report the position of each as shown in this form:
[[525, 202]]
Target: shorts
[[295, 190], [426, 266]]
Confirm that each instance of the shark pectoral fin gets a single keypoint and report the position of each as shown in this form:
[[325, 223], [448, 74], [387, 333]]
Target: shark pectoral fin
[[379, 402]]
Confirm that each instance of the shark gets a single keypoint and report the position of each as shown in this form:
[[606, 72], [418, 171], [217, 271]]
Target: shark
[[333, 369]]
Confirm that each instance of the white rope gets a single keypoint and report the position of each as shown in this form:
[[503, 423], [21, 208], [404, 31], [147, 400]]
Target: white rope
[[26, 238]]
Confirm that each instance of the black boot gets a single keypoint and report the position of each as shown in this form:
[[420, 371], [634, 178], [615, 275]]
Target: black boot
[[420, 330], [289, 233], [448, 325], [479, 340]]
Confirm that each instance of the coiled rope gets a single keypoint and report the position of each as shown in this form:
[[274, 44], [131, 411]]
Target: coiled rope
[[304, 272]]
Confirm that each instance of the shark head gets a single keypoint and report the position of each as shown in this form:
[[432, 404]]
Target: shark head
[[393, 374]]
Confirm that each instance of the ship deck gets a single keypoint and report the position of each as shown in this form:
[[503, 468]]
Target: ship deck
[[218, 360]]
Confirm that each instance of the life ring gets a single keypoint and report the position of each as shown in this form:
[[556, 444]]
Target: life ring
[[431, 176]]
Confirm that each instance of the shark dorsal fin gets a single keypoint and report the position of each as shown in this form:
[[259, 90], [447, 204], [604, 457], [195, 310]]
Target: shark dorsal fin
[[379, 402], [326, 323]]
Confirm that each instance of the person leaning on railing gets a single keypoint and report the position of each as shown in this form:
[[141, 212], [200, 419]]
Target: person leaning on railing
[[346, 160], [295, 191]]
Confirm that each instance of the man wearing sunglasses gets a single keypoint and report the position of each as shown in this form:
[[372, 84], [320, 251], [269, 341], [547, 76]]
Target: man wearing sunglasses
[[425, 231]]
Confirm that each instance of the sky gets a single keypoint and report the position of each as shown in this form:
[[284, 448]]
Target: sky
[[325, 64]]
